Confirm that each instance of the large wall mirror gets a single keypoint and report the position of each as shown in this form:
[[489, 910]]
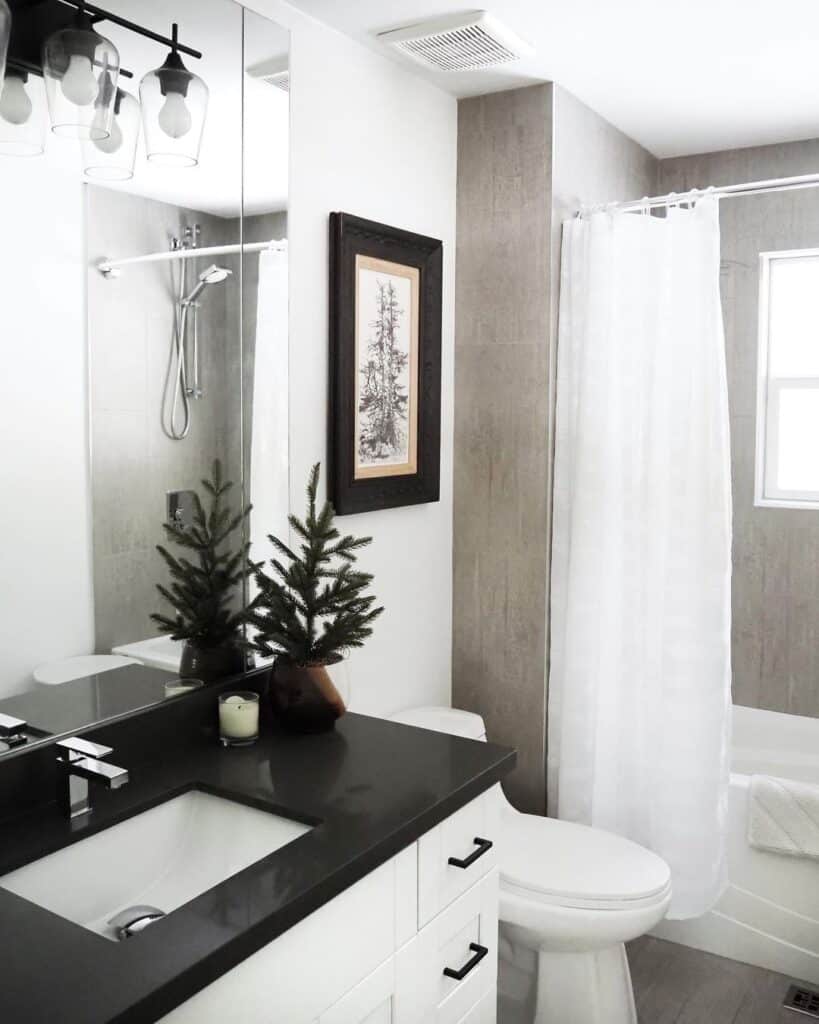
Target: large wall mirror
[[143, 317]]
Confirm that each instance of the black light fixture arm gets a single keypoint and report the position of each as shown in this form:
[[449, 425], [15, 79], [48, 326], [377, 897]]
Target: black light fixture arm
[[29, 67], [99, 14]]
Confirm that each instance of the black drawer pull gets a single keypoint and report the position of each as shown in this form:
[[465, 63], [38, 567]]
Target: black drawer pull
[[484, 846], [479, 951]]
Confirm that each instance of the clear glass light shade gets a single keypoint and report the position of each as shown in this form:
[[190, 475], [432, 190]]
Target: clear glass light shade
[[113, 158], [80, 68], [23, 116], [174, 106], [5, 32]]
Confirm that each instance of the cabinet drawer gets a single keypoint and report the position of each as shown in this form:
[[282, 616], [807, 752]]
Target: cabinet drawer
[[464, 838], [453, 962]]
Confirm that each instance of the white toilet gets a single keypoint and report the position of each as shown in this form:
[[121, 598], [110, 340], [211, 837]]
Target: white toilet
[[573, 895], [54, 673]]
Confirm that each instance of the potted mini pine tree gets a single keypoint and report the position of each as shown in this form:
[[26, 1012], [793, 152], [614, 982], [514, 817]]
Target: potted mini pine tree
[[307, 613], [205, 588]]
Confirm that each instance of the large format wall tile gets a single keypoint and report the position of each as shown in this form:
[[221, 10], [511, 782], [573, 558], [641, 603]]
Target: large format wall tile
[[502, 404], [775, 550]]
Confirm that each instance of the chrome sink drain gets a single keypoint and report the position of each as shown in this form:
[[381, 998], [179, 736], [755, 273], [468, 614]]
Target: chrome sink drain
[[133, 920]]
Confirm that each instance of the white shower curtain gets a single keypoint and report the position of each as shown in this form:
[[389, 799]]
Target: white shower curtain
[[639, 691], [269, 462]]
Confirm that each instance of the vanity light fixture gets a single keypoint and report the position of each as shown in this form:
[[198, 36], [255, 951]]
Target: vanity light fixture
[[22, 114], [113, 158], [80, 68], [5, 34], [174, 105]]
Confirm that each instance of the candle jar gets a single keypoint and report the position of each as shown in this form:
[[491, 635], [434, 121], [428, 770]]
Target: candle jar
[[239, 718], [176, 687]]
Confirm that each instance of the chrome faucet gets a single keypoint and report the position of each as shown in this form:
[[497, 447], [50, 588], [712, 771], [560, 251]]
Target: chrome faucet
[[80, 763]]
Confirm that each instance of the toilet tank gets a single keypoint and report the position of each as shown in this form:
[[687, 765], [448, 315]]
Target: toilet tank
[[448, 720]]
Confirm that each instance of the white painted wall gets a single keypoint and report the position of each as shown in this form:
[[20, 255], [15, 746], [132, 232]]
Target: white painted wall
[[373, 140], [46, 607]]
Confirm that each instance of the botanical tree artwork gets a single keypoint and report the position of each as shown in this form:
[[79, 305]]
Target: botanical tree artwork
[[386, 350], [383, 398]]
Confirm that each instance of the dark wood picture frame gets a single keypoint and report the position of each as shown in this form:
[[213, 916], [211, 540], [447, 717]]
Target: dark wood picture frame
[[351, 241]]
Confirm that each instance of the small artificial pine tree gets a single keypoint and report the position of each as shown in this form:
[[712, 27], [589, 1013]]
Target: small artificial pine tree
[[307, 611], [204, 589]]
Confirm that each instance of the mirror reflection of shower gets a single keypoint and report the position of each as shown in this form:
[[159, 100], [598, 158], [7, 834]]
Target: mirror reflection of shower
[[183, 382]]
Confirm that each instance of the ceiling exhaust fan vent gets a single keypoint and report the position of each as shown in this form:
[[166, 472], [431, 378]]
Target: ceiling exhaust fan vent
[[274, 71], [465, 42]]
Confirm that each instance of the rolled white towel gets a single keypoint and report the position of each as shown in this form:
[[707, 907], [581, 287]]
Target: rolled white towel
[[783, 816]]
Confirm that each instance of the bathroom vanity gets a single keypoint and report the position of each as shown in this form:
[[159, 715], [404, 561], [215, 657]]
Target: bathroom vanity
[[339, 878]]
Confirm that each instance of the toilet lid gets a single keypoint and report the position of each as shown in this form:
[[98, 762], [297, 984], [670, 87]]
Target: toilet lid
[[575, 865], [449, 720]]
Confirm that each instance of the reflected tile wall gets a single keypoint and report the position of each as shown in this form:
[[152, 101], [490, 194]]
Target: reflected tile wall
[[130, 331]]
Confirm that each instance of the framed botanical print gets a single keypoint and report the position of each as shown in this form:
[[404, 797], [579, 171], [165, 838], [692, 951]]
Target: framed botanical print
[[384, 426]]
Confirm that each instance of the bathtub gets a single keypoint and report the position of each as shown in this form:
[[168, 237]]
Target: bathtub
[[769, 913]]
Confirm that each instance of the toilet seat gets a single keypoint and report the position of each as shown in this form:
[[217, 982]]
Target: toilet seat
[[560, 863]]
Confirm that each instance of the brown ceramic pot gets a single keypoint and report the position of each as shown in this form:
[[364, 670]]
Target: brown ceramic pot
[[210, 663], [303, 697]]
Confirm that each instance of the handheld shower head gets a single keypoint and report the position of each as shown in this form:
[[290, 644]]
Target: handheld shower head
[[213, 275]]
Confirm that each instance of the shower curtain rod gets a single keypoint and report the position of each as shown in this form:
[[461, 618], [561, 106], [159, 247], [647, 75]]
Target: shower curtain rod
[[748, 188], [110, 268]]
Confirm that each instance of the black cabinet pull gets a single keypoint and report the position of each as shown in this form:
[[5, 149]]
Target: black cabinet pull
[[484, 846], [479, 951]]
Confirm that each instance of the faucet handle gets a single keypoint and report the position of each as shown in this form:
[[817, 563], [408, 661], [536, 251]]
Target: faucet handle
[[11, 726], [81, 748]]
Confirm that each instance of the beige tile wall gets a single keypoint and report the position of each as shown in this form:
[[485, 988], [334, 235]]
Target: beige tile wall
[[775, 648], [526, 159], [501, 423]]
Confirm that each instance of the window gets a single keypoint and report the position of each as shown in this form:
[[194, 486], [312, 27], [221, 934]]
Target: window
[[787, 443]]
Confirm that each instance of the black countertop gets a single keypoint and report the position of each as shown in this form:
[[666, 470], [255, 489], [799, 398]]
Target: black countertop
[[371, 787]]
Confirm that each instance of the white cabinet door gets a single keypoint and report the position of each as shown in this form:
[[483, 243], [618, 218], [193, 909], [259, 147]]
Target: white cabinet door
[[370, 1002], [453, 962], [295, 978], [456, 854], [485, 1011]]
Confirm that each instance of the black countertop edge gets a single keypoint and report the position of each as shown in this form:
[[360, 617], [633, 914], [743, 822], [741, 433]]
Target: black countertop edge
[[372, 786]]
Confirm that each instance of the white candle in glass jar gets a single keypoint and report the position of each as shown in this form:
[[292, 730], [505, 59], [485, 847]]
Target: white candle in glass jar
[[239, 716]]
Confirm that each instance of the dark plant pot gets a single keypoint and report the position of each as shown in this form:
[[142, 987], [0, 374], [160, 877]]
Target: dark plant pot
[[304, 698], [210, 663]]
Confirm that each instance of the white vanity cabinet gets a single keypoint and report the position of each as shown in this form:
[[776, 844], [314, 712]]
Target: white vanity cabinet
[[414, 942]]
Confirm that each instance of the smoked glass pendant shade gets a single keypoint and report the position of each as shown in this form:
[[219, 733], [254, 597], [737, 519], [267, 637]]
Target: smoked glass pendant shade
[[174, 106], [113, 158], [80, 69]]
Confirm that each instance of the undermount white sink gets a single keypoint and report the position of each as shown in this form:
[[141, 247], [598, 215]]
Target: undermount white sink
[[163, 857]]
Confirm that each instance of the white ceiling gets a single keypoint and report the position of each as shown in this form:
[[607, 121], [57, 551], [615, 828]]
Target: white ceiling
[[679, 78]]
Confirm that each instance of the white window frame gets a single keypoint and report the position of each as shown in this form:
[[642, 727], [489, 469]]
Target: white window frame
[[767, 397]]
